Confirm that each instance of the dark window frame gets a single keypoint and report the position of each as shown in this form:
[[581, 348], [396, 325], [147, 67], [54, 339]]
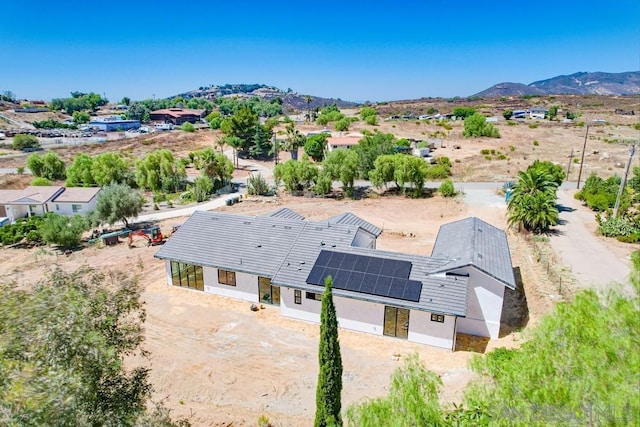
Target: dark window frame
[[435, 317], [226, 277], [297, 296], [313, 296], [187, 275]]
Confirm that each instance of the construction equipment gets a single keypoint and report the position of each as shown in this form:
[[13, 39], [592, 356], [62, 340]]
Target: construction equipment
[[153, 236]]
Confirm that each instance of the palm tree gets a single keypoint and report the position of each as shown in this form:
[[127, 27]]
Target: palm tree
[[532, 203], [293, 140]]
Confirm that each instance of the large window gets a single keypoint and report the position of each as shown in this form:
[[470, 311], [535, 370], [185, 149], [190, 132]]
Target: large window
[[187, 275], [297, 296], [268, 293], [396, 322], [76, 208], [226, 277]]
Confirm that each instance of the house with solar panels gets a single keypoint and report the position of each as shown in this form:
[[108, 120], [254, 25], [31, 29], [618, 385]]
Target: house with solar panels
[[283, 259]]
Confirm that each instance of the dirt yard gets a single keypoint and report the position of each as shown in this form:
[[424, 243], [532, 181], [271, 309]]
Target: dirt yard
[[219, 363]]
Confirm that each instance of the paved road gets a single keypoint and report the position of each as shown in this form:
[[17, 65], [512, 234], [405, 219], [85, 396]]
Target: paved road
[[592, 263]]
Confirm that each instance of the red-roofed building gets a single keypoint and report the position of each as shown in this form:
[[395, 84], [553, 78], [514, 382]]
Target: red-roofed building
[[177, 116]]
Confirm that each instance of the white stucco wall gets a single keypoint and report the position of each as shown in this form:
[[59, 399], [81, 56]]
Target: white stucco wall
[[423, 330], [246, 287], [63, 208], [15, 212], [484, 305]]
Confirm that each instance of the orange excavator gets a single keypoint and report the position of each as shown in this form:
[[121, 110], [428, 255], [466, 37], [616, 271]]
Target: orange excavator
[[153, 236]]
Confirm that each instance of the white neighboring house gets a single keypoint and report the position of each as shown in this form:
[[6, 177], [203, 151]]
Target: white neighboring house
[[282, 259], [335, 142], [38, 200], [75, 200]]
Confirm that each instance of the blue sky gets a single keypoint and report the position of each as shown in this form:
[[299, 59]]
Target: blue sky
[[361, 51]]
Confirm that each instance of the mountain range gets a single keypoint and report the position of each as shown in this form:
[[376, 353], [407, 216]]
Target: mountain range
[[582, 83]]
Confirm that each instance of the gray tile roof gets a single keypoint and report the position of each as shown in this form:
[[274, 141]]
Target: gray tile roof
[[285, 213], [440, 293], [351, 219], [473, 242], [253, 245]]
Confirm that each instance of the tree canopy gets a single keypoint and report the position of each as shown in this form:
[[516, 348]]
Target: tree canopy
[[476, 125], [48, 166], [64, 365], [159, 171], [533, 201], [117, 202]]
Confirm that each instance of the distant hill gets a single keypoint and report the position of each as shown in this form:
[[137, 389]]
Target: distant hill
[[581, 83], [291, 101]]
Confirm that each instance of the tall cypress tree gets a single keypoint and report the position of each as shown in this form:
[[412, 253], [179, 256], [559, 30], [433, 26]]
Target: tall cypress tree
[[329, 390]]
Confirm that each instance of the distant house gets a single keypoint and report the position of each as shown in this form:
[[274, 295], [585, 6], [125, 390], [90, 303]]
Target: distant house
[[538, 113], [519, 114], [177, 116], [113, 123], [335, 142], [282, 259], [38, 200]]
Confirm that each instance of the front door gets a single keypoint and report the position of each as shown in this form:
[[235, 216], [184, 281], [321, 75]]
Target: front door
[[267, 292], [396, 322]]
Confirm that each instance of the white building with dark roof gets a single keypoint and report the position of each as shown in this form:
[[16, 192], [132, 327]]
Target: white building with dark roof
[[283, 259]]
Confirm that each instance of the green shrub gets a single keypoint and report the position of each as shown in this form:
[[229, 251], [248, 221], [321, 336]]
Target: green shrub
[[22, 141], [617, 227], [485, 151], [438, 172], [512, 148], [188, 127], [636, 126], [258, 186], [580, 124], [342, 125], [535, 142], [371, 120], [533, 125], [488, 158], [40, 181], [447, 189], [502, 157], [512, 123]]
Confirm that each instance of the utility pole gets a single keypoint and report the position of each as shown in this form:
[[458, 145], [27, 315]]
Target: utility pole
[[569, 165], [623, 182], [584, 148]]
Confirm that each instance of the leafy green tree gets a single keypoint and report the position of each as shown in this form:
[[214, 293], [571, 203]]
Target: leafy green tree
[[80, 117], [329, 114], [342, 165], [412, 400], [23, 140], [243, 126], [384, 170], [316, 146], [158, 171], [342, 125], [369, 148], [110, 167], [463, 112], [411, 170], [367, 112], [214, 119], [125, 101], [79, 101], [139, 111], [507, 114], [262, 145], [329, 388], [553, 112], [217, 167], [80, 173], [532, 203], [476, 125], [297, 175], [117, 202], [48, 166], [64, 231], [66, 365]]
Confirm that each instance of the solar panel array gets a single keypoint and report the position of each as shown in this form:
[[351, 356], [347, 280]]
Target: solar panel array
[[366, 274]]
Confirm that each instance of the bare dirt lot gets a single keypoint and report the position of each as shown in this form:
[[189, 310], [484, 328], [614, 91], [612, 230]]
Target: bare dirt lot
[[218, 363]]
